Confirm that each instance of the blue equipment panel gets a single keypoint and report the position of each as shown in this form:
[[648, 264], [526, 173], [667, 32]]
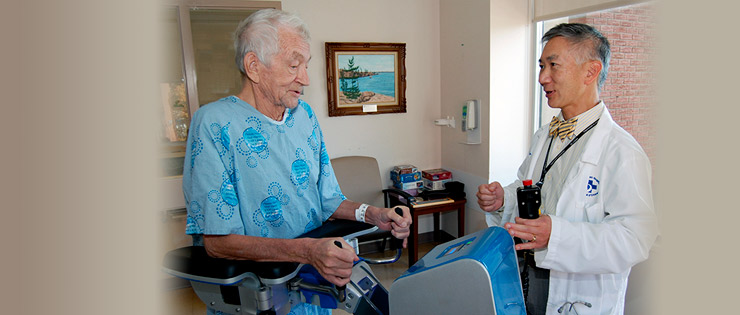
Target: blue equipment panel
[[474, 274]]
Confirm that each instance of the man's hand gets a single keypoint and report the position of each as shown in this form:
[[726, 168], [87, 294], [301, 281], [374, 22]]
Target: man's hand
[[536, 231], [490, 196], [387, 219], [333, 263]]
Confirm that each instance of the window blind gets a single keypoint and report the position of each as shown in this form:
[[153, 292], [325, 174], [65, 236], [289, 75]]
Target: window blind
[[552, 9]]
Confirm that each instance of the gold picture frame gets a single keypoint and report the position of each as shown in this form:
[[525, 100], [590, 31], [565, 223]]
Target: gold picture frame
[[366, 78]]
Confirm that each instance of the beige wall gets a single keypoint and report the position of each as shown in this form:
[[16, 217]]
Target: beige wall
[[483, 50], [465, 51], [392, 139], [452, 47], [81, 210], [465, 62]]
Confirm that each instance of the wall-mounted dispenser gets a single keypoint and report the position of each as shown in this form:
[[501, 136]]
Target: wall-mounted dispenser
[[471, 121], [449, 122]]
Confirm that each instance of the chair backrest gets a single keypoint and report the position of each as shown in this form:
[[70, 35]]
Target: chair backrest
[[359, 179]]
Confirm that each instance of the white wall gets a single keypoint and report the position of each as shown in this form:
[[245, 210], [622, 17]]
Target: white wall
[[452, 48], [484, 56], [511, 101], [455, 50], [393, 139], [465, 58]]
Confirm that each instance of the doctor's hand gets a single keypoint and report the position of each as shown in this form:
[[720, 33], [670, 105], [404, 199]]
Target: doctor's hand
[[387, 219], [536, 231], [331, 261], [490, 196]]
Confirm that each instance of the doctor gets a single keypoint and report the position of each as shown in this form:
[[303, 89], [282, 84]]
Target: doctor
[[597, 218]]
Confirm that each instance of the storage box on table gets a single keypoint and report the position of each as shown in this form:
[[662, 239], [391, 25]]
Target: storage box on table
[[405, 169], [435, 184], [407, 186], [397, 177], [405, 174], [436, 174]]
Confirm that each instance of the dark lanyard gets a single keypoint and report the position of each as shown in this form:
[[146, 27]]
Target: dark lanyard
[[546, 167]]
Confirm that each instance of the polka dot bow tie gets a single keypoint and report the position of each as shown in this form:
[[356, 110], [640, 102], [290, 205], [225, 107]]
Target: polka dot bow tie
[[563, 129]]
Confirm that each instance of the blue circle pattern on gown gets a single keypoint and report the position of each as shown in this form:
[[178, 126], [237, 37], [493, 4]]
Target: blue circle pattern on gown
[[229, 200], [221, 139], [228, 193], [314, 144], [195, 219], [225, 211], [254, 141], [225, 138], [300, 172], [226, 198], [253, 145], [196, 146], [313, 221], [324, 160], [271, 209]]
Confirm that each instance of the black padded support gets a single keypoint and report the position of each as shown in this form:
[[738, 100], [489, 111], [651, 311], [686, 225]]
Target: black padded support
[[194, 260], [337, 228]]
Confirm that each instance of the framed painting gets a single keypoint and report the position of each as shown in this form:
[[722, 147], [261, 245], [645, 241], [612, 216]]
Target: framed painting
[[366, 78]]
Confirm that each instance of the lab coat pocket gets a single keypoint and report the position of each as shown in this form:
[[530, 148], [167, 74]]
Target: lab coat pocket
[[594, 213]]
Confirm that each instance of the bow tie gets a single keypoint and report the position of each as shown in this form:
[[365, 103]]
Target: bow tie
[[563, 129]]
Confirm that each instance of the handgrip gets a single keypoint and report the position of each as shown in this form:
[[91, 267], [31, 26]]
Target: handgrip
[[395, 242], [341, 288], [528, 200]]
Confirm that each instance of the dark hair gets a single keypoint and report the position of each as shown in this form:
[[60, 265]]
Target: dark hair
[[581, 35]]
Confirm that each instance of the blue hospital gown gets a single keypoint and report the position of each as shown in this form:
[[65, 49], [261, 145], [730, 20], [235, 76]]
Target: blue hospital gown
[[247, 174]]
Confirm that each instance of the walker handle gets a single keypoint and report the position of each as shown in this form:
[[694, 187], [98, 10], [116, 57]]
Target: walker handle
[[341, 288], [395, 242]]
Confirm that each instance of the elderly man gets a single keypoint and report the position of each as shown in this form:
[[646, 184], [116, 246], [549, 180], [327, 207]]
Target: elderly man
[[258, 173], [597, 218]]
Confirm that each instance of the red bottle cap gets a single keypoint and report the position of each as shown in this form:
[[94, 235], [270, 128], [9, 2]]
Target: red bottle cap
[[527, 182]]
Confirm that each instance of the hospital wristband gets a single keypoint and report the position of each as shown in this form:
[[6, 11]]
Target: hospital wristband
[[360, 212]]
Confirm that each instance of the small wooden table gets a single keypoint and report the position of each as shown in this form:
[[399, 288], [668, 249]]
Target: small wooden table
[[413, 244]]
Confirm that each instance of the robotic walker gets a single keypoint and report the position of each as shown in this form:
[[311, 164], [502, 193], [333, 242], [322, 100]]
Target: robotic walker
[[474, 274]]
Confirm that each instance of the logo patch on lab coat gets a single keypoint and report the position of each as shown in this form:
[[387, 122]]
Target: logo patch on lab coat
[[592, 188]]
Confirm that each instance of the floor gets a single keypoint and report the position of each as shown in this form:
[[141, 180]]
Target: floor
[[184, 301]]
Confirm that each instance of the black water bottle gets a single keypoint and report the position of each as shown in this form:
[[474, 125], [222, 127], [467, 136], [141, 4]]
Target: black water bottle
[[528, 199]]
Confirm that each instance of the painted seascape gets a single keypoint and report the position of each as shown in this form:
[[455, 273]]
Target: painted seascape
[[368, 79]]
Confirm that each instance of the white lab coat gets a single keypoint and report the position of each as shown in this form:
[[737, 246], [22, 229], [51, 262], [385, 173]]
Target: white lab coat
[[590, 253]]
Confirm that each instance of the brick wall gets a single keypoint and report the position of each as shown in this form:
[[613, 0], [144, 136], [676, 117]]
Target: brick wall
[[629, 92]]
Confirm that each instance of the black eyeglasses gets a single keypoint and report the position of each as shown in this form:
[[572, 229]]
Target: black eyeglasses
[[572, 305]]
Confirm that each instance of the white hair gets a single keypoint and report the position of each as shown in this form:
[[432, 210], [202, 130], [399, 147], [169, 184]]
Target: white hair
[[258, 33]]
